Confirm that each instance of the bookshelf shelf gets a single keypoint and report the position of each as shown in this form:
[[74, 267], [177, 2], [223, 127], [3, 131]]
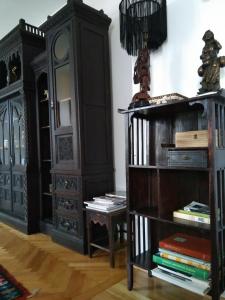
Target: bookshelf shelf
[[169, 168], [156, 190], [153, 215]]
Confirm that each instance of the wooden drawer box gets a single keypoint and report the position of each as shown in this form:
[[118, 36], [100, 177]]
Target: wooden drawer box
[[190, 139], [187, 158]]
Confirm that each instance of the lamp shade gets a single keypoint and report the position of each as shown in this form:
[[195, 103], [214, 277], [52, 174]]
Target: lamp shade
[[143, 23]]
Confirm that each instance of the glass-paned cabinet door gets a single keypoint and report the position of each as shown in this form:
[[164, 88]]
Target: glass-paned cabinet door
[[62, 80], [63, 92], [4, 134], [18, 143]]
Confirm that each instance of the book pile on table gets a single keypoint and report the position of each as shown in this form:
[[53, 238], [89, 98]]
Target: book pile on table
[[195, 212], [184, 260], [109, 202]]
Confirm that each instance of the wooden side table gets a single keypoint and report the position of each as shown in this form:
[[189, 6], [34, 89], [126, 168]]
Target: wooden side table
[[112, 221]]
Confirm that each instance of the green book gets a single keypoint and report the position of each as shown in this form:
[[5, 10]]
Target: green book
[[193, 213], [196, 272]]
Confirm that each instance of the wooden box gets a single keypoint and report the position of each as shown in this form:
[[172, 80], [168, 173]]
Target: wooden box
[[187, 158], [190, 139]]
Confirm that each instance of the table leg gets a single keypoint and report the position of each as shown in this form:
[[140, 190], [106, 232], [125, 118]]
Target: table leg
[[89, 236], [111, 243]]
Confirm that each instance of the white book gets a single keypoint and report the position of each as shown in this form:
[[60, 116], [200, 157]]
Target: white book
[[109, 200], [106, 211], [135, 130], [141, 235], [131, 132], [203, 283], [117, 194], [140, 142], [100, 205], [146, 234], [136, 235], [144, 142], [185, 283]]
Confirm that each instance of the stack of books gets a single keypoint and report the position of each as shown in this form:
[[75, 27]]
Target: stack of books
[[184, 260], [109, 202], [195, 212]]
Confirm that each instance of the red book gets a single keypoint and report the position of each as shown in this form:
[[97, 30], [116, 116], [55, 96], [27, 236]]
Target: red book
[[188, 245]]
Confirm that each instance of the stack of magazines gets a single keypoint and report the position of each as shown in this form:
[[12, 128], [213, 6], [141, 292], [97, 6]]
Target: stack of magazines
[[184, 260], [194, 212], [109, 202]]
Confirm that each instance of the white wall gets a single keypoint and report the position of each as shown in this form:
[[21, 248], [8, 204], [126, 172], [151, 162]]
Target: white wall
[[173, 67]]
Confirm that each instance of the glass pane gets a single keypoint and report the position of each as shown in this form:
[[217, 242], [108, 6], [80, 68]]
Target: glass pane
[[6, 138], [22, 143], [63, 91], [2, 116], [62, 46], [16, 136]]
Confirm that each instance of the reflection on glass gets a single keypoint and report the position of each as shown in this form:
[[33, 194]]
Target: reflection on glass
[[6, 138], [22, 145], [63, 90], [62, 46], [18, 135]]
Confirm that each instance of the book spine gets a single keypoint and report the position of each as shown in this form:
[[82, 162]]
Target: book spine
[[193, 218], [185, 251], [199, 261], [185, 261], [135, 141], [194, 213], [198, 273]]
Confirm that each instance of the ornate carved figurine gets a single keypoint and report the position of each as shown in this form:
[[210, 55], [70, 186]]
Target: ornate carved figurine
[[211, 64], [142, 75]]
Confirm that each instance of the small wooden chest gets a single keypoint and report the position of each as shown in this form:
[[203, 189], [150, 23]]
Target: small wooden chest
[[187, 158], [189, 139]]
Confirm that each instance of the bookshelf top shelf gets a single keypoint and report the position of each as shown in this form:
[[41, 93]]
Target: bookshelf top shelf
[[175, 104], [168, 168]]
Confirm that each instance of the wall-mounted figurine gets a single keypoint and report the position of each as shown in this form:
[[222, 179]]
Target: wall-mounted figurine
[[211, 64]]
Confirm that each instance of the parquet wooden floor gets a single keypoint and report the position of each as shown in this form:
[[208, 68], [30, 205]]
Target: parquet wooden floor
[[57, 273]]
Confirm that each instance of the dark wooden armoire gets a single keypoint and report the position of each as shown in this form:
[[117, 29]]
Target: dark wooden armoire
[[75, 138], [19, 204]]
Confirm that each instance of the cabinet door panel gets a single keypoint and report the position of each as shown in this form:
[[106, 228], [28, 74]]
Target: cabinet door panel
[[17, 133], [18, 155], [5, 167]]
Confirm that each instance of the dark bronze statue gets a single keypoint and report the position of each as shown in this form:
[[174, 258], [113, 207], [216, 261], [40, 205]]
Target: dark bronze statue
[[142, 76], [211, 64]]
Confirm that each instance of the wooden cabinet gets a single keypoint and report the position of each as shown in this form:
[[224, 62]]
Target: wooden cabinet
[[156, 189], [18, 168], [80, 116]]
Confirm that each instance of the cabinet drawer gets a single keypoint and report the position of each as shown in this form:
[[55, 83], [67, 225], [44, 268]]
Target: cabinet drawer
[[68, 224], [187, 158], [67, 204], [67, 183]]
